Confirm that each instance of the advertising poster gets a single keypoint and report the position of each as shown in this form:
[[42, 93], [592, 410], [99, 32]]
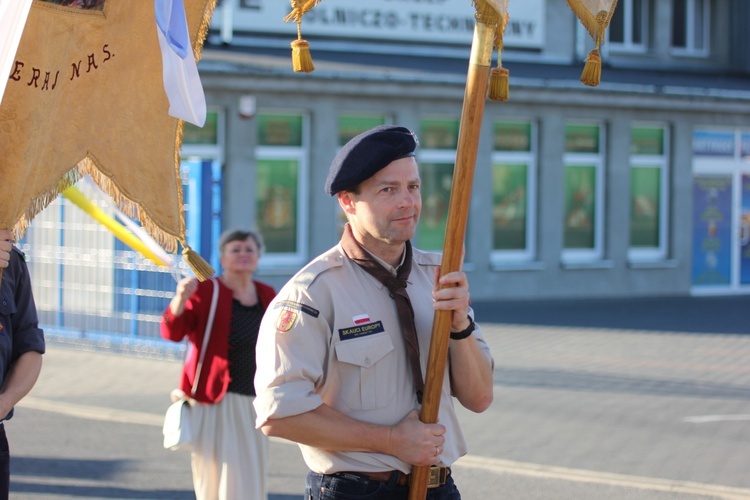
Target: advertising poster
[[580, 207], [509, 202], [276, 195], [712, 230], [745, 146], [745, 232], [645, 190]]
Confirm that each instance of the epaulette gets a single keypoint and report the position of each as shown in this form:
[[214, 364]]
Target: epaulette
[[329, 260], [423, 258]]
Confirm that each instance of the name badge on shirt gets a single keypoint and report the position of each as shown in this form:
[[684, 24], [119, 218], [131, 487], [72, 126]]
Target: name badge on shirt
[[355, 332]]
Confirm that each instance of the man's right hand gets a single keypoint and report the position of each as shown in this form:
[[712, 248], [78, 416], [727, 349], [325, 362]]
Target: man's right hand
[[415, 442], [6, 243]]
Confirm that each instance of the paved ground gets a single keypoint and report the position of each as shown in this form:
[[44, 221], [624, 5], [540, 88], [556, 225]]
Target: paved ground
[[728, 314], [629, 399]]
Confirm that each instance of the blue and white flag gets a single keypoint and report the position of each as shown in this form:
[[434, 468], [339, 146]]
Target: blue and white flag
[[180, 72]]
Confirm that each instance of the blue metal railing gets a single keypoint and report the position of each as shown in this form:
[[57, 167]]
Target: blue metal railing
[[93, 292]]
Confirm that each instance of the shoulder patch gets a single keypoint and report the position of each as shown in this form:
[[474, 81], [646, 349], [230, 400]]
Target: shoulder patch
[[297, 306], [286, 320]]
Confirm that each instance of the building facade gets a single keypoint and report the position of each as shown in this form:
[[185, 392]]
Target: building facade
[[637, 187]]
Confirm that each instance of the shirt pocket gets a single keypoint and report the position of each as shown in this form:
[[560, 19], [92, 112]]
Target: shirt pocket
[[366, 371], [7, 310]]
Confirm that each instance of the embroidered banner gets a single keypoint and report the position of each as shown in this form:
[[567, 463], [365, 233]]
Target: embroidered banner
[[86, 96]]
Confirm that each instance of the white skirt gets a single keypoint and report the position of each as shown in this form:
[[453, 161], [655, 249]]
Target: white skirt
[[230, 457]]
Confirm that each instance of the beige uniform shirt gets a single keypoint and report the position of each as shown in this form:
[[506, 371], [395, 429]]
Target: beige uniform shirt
[[332, 336]]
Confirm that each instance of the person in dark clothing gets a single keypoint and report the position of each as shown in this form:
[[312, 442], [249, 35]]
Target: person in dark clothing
[[21, 342]]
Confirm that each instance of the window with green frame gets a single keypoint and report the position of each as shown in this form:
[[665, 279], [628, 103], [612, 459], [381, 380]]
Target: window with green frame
[[645, 194], [582, 239], [353, 125], [512, 185], [436, 192], [208, 134], [582, 138], [280, 170], [438, 133], [648, 166], [276, 197], [438, 139], [511, 137], [279, 130]]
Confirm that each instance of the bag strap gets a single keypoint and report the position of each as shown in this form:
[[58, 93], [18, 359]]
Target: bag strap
[[206, 335]]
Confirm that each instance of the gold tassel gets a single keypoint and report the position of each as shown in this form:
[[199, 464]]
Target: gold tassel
[[499, 89], [595, 24], [301, 58], [197, 264], [592, 70]]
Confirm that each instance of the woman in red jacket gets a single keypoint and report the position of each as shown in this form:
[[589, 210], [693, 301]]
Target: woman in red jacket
[[229, 459]]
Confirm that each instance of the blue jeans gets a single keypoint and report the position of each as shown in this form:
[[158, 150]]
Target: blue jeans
[[351, 486]]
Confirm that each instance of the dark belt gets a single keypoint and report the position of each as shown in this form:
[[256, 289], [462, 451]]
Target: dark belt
[[437, 476]]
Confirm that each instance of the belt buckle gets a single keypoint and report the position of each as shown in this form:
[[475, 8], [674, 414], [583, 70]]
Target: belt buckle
[[436, 477]]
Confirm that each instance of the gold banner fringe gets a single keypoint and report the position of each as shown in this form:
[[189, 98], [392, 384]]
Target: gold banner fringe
[[487, 15], [132, 209], [41, 202], [177, 158], [87, 166], [203, 30]]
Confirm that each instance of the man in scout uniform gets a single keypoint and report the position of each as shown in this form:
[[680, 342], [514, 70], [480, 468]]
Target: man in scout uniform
[[342, 350]]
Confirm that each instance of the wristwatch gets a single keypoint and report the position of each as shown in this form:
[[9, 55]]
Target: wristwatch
[[465, 333]]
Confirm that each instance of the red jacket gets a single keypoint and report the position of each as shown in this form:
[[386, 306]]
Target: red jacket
[[192, 323]]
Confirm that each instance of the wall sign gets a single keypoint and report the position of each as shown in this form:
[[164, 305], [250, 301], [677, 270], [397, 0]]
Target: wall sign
[[714, 143], [430, 21]]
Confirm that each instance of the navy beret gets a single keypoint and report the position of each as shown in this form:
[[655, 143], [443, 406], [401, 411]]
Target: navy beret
[[366, 154]]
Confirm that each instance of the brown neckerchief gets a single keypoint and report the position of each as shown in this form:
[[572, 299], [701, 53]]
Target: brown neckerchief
[[396, 285]]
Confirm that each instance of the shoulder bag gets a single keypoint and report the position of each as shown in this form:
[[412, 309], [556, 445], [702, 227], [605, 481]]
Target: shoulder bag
[[179, 433]]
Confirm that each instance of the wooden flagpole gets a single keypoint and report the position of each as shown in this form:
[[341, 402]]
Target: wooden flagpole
[[463, 176]]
